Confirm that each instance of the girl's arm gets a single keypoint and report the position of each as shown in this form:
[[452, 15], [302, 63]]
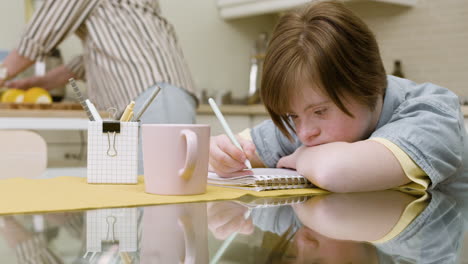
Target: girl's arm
[[351, 167]]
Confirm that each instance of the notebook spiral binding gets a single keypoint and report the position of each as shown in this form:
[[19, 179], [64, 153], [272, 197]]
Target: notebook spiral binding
[[284, 201], [279, 182], [264, 202]]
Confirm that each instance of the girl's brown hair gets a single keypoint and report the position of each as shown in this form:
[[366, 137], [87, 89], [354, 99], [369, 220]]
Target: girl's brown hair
[[327, 46]]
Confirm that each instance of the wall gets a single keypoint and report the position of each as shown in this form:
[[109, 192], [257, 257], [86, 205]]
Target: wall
[[11, 22], [217, 51], [431, 39]]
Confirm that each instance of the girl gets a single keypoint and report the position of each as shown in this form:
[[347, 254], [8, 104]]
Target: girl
[[338, 119]]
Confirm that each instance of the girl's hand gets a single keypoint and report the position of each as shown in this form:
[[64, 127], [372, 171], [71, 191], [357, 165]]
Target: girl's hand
[[226, 158], [290, 161], [225, 218]]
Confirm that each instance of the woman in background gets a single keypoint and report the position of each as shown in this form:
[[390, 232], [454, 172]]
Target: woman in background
[[128, 48]]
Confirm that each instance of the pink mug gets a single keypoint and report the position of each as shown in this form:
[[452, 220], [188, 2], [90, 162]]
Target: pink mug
[[175, 158], [175, 233]]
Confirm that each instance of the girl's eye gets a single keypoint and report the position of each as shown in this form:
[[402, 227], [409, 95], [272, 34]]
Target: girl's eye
[[292, 116], [320, 111]]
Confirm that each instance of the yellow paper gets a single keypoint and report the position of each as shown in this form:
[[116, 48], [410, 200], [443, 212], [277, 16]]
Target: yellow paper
[[20, 195]]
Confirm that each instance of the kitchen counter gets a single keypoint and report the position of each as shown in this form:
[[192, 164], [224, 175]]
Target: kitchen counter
[[59, 119], [260, 110], [42, 113], [203, 109]]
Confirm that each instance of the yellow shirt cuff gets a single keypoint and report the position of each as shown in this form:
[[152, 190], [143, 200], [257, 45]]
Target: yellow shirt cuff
[[409, 214], [419, 178]]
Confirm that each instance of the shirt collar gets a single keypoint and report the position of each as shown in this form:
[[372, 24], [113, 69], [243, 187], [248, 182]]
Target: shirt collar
[[394, 96]]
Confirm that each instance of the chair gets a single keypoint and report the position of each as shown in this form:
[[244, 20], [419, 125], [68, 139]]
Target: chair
[[22, 154]]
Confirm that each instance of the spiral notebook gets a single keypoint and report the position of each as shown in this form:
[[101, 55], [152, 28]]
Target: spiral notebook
[[262, 179]]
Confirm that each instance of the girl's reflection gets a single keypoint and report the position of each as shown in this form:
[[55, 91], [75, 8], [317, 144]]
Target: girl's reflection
[[337, 228], [376, 227]]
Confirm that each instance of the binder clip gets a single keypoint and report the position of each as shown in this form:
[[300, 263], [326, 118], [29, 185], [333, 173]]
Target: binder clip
[[111, 231], [114, 128]]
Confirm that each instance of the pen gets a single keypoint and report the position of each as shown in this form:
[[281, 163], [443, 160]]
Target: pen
[[227, 129], [128, 113], [147, 103], [81, 100]]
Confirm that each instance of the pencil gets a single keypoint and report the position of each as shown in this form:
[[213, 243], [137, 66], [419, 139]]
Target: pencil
[[147, 103]]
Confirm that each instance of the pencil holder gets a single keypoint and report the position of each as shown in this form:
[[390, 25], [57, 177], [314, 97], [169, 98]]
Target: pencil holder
[[112, 152], [111, 227]]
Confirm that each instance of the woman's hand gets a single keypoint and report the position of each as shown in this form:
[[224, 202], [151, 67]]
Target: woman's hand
[[55, 78], [26, 83]]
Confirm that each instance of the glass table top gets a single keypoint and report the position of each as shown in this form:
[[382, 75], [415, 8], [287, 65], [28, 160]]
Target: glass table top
[[375, 227]]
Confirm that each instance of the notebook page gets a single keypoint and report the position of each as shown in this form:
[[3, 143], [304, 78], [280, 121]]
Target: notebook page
[[262, 179], [257, 172]]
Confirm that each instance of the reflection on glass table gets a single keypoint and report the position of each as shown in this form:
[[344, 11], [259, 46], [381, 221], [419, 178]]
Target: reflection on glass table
[[377, 227], [111, 230]]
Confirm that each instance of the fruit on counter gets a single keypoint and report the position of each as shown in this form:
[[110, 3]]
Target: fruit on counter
[[13, 96], [37, 95]]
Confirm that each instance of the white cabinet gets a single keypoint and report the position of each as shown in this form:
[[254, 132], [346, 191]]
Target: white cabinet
[[65, 148], [231, 9]]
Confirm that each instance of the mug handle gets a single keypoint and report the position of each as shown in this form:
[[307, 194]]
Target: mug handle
[[191, 155], [189, 238]]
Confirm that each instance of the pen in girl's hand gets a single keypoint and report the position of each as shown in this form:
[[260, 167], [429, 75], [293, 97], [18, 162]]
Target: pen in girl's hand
[[227, 129]]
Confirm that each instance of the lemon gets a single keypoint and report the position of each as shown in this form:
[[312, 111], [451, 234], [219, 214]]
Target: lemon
[[13, 96], [37, 95]]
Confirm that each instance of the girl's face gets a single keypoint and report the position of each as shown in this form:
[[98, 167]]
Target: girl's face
[[308, 246], [318, 120]]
